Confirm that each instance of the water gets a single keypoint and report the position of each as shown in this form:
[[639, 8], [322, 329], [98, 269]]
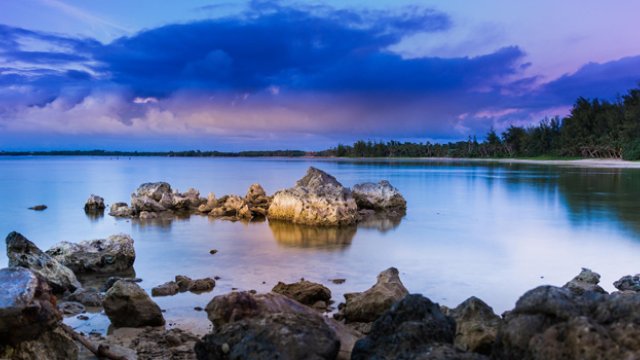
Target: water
[[492, 230]]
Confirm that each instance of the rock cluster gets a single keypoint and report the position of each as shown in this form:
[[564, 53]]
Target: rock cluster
[[153, 200], [183, 283], [113, 254]]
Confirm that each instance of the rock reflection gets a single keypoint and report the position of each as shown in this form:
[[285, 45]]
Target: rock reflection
[[95, 216], [304, 236], [382, 221]]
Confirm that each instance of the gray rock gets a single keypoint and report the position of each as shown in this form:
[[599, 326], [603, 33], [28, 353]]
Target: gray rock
[[316, 199], [367, 306], [53, 345], [153, 191], [587, 280], [380, 196], [476, 326], [113, 279], [166, 289], [94, 204], [86, 297], [113, 254], [305, 292], [24, 253], [38, 207], [127, 305], [120, 209], [628, 283], [71, 307]]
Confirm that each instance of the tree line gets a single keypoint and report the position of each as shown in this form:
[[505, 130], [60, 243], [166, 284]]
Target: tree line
[[594, 129]]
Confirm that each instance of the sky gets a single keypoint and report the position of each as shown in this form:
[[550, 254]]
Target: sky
[[250, 75]]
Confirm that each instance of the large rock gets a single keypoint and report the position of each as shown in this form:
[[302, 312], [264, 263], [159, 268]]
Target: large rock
[[476, 326], [120, 209], [587, 280], [154, 191], [127, 305], [94, 204], [113, 254], [50, 345], [24, 253], [316, 199], [628, 283], [231, 207], [367, 306], [257, 200], [304, 292], [413, 328], [380, 196]]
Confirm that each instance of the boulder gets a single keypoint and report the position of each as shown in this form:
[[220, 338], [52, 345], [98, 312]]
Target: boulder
[[24, 253], [154, 191], [628, 283], [367, 306], [587, 280], [257, 200], [166, 289], [94, 204], [414, 328], [113, 254], [127, 305], [231, 207], [86, 297], [183, 282], [202, 285], [380, 196], [210, 203], [120, 209], [476, 326], [316, 199], [187, 201], [304, 292], [54, 345]]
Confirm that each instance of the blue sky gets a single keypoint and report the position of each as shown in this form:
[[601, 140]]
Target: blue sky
[[232, 75]]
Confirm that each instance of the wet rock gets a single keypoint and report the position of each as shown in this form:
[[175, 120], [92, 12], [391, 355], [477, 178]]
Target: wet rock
[[127, 305], [22, 252], [202, 285], [338, 281], [113, 279], [120, 209], [257, 201], [27, 307], [54, 345], [94, 204], [166, 289], [412, 329], [316, 199], [587, 280], [305, 292], [378, 196], [154, 191], [628, 283], [70, 307], [273, 336], [367, 306], [184, 282], [38, 207], [476, 326], [231, 207], [113, 254]]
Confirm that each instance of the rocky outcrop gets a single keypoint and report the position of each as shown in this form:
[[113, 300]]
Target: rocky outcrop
[[628, 283], [316, 199], [413, 328], [367, 306], [120, 209], [587, 280], [95, 204], [231, 207], [304, 292], [22, 252], [113, 254], [127, 305], [476, 326], [380, 196], [209, 204], [158, 200], [257, 201]]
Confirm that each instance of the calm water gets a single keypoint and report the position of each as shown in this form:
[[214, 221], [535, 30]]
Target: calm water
[[489, 230]]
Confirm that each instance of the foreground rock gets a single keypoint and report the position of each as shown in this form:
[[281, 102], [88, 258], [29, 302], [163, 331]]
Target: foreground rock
[[268, 326], [22, 252], [413, 328], [587, 280], [257, 201], [127, 305], [316, 199], [369, 305], [95, 204], [476, 326], [113, 254], [304, 292], [380, 196]]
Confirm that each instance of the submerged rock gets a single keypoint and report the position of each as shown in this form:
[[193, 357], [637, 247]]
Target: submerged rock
[[127, 305], [94, 204], [587, 280], [316, 199], [628, 283], [367, 306], [380, 196], [166, 289], [113, 254], [305, 292], [476, 326], [38, 207], [24, 253]]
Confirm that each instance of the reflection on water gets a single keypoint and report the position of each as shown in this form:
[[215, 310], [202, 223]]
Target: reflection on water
[[94, 216], [382, 221], [304, 236]]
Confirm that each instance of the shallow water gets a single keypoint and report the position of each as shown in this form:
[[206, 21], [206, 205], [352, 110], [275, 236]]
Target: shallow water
[[493, 230]]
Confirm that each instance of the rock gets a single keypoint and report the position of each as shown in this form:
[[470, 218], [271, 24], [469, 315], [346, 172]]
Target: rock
[[86, 297], [476, 326], [27, 307], [209, 204], [316, 199], [120, 209], [70, 307], [380, 196], [587, 280], [127, 305], [54, 345], [24, 253], [154, 191], [628, 283], [412, 329], [156, 343], [114, 254], [38, 207], [144, 203], [273, 336], [257, 200], [304, 292], [338, 281], [113, 279], [166, 289], [231, 207], [369, 305], [94, 204], [202, 285], [184, 282]]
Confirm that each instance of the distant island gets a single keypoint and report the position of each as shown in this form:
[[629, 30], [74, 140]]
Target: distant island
[[595, 128]]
